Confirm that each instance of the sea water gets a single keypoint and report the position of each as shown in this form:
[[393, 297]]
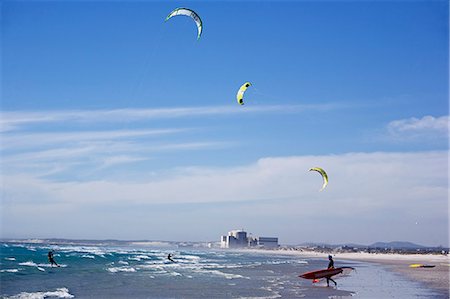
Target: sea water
[[97, 271]]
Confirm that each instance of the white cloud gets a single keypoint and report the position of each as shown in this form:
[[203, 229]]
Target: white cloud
[[380, 178], [427, 127], [11, 120], [384, 192]]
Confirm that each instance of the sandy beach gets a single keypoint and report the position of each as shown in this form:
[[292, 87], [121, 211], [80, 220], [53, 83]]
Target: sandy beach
[[437, 278]]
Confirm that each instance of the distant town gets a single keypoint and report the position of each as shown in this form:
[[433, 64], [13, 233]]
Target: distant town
[[240, 239]]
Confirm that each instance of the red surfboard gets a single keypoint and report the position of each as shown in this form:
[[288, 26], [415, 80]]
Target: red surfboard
[[324, 273]]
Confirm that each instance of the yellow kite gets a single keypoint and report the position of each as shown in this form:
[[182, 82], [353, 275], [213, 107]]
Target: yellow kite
[[324, 176], [240, 93]]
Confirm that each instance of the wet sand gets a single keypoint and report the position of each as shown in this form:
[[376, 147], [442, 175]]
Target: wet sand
[[437, 278]]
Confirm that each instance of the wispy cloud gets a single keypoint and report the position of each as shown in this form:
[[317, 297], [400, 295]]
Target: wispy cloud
[[27, 140], [77, 139], [94, 156], [49, 153], [428, 127], [11, 120]]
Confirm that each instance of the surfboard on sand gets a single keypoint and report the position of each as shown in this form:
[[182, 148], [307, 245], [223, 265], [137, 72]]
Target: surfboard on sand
[[421, 266], [318, 274]]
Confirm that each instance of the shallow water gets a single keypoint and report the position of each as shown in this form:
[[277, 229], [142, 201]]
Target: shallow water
[[132, 272]]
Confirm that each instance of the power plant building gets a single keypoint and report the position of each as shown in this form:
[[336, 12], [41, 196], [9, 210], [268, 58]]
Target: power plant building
[[234, 239], [267, 242], [239, 239]]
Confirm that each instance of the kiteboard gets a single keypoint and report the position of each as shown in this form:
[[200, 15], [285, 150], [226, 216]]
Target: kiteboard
[[318, 274], [421, 266]]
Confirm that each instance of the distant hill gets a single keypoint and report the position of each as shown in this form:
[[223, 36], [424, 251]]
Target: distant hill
[[396, 245], [331, 245]]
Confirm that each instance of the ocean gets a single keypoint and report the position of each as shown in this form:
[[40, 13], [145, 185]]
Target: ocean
[[132, 271]]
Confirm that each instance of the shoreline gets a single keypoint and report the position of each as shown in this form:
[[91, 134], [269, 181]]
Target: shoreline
[[437, 278]]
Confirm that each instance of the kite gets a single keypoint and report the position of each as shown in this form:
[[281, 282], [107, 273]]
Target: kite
[[324, 176], [240, 93], [190, 13]]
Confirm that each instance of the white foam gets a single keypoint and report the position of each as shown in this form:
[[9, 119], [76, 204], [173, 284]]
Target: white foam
[[134, 259], [10, 258], [220, 273], [50, 265], [156, 268], [59, 293], [189, 257], [29, 264], [278, 262], [82, 249], [139, 257], [142, 257], [88, 256], [123, 262], [10, 270], [276, 295], [121, 269], [236, 266], [33, 264], [152, 244]]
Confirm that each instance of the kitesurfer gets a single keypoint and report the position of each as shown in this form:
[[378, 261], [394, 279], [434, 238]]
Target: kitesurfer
[[330, 266], [51, 259], [169, 257]]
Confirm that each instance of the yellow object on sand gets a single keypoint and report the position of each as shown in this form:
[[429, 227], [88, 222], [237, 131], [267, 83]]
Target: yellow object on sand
[[415, 265]]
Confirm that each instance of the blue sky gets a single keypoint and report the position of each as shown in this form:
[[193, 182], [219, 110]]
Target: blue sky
[[116, 120]]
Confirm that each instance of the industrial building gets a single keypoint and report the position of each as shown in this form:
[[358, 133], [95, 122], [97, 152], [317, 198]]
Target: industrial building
[[239, 239], [267, 242]]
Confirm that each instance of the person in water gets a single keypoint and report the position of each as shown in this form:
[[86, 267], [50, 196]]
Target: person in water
[[330, 266], [169, 257], [51, 259]]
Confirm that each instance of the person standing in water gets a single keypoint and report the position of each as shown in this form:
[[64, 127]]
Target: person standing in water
[[169, 257], [330, 266], [51, 259]]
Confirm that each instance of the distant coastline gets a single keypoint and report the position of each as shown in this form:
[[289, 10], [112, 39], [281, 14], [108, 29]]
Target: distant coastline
[[402, 248]]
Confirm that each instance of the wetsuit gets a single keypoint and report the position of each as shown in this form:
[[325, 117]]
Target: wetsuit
[[51, 259], [330, 266], [169, 257]]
